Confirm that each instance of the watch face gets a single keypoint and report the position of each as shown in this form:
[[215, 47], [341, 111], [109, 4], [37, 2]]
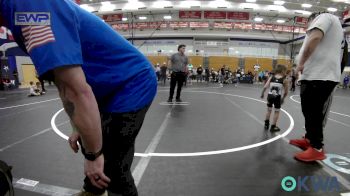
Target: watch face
[[90, 157]]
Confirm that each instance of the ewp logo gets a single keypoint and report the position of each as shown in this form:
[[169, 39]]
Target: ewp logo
[[310, 183], [32, 18]]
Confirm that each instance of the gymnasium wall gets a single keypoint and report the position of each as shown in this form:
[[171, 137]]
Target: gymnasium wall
[[216, 62]]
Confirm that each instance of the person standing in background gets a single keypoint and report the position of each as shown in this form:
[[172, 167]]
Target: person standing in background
[[320, 68], [178, 68], [163, 75]]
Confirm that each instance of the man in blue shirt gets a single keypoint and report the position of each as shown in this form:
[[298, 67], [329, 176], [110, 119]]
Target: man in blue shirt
[[106, 85]]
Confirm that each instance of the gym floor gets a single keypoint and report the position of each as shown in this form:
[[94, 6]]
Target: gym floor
[[212, 144]]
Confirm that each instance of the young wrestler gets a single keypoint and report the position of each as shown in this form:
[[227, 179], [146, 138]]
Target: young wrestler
[[277, 84]]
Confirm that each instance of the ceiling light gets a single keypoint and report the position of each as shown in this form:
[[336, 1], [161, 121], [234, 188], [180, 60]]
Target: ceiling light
[[279, 8], [142, 17], [87, 7], [167, 17], [162, 4], [250, 1], [189, 3], [332, 9], [307, 13], [106, 3], [133, 5], [124, 19], [106, 6], [278, 2], [248, 6], [219, 3], [306, 5], [280, 21], [258, 19]]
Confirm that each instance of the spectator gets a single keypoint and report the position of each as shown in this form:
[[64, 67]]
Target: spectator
[[33, 89], [199, 73], [320, 68], [178, 62], [346, 81]]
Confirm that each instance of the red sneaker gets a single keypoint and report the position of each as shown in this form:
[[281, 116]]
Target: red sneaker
[[310, 154], [301, 143]]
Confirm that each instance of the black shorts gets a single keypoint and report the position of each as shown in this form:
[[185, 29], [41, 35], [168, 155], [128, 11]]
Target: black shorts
[[274, 100]]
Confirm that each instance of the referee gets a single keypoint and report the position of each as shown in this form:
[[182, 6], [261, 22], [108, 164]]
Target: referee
[[178, 67]]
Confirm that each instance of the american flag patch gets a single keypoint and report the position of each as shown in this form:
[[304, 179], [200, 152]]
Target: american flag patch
[[35, 36]]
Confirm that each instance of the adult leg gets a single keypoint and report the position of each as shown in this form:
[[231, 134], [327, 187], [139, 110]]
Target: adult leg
[[42, 85], [119, 134], [315, 102], [172, 86], [180, 80], [268, 113]]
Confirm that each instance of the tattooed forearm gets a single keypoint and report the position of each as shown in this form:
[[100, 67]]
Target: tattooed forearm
[[69, 107]]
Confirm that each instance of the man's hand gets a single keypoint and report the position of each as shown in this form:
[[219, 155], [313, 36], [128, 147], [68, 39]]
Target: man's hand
[[262, 96], [94, 171], [73, 141], [300, 69]]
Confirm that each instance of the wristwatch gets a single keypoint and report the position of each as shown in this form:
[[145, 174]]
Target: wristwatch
[[91, 156]]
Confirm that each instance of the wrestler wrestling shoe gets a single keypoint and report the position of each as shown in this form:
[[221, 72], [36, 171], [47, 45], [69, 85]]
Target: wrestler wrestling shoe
[[311, 154], [274, 128], [301, 143]]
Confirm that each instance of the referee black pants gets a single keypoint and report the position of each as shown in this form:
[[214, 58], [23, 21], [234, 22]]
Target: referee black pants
[[316, 100], [176, 78], [119, 132]]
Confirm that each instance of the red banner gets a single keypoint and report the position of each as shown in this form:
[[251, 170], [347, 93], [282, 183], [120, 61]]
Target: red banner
[[288, 29], [199, 24], [302, 30], [216, 25], [223, 25], [141, 25], [300, 20], [260, 27], [178, 25], [269, 27], [278, 28], [238, 15], [77, 1], [346, 14], [214, 15], [183, 24], [112, 17], [154, 25], [190, 14], [121, 26], [237, 25], [247, 26]]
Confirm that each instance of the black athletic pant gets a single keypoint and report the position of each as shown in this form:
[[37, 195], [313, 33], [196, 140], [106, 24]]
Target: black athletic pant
[[176, 78], [42, 83], [293, 83], [119, 133], [316, 99]]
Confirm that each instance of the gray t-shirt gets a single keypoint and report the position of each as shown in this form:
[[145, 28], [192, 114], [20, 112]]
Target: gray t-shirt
[[178, 62], [324, 63]]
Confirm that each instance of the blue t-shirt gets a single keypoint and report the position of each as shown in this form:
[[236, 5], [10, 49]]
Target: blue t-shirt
[[58, 33]]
